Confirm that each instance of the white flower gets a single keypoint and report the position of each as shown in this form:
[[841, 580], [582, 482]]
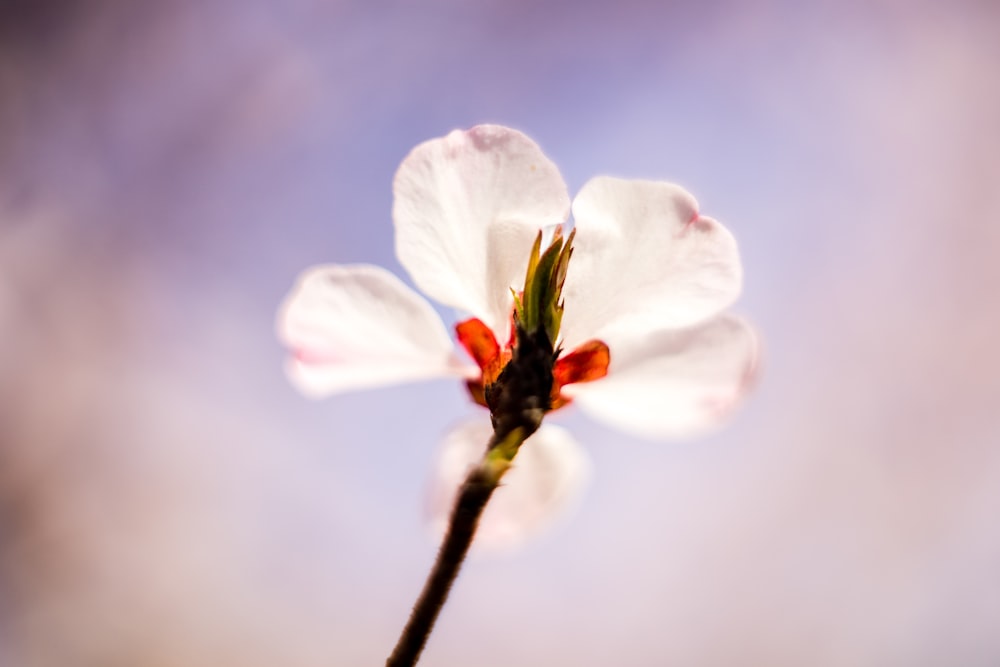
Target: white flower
[[650, 278]]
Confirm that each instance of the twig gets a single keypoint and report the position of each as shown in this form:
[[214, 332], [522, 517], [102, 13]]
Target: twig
[[472, 499]]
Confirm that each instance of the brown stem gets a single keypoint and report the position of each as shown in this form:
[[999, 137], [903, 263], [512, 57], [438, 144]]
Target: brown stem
[[518, 399], [472, 499]]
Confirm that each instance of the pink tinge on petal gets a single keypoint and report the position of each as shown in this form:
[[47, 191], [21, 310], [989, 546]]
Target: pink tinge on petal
[[718, 406], [645, 260], [315, 357], [358, 326]]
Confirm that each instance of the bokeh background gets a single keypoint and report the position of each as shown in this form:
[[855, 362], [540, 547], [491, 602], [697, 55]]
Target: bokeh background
[[167, 168]]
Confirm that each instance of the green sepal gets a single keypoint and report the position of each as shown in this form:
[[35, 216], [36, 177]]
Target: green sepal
[[541, 305]]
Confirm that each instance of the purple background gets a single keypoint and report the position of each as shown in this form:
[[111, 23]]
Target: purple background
[[167, 168]]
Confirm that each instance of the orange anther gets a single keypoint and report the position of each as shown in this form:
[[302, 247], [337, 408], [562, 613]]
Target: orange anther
[[478, 341]]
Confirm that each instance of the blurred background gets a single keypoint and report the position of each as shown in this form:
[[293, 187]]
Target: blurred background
[[168, 167]]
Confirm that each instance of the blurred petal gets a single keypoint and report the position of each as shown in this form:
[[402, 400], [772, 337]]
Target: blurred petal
[[467, 209], [674, 383], [358, 326], [547, 478], [644, 260]]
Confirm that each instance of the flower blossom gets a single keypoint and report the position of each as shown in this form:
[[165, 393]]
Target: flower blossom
[[646, 344]]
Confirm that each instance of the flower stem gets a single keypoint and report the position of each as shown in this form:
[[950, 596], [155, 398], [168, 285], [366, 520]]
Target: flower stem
[[518, 400], [473, 495]]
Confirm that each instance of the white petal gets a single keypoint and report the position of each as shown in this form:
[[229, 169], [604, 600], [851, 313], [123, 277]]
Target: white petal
[[358, 326], [546, 479], [467, 208], [645, 260], [674, 383]]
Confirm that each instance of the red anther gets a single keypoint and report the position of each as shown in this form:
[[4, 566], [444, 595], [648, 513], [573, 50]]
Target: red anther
[[478, 341], [588, 362]]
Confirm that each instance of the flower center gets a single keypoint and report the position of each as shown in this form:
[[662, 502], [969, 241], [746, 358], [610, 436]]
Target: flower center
[[529, 372]]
